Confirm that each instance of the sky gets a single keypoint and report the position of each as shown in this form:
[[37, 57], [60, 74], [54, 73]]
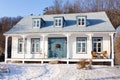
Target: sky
[[13, 8]]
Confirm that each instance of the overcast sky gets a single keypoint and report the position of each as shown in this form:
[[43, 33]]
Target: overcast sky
[[13, 8]]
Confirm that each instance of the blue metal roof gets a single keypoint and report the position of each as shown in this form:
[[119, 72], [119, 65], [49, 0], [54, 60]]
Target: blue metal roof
[[96, 22]]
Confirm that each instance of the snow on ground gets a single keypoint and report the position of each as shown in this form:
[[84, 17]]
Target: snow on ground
[[59, 72]]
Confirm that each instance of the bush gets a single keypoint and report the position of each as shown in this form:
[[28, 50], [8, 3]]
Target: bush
[[54, 61], [84, 64]]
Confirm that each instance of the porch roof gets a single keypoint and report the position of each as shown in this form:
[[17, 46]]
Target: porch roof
[[96, 22]]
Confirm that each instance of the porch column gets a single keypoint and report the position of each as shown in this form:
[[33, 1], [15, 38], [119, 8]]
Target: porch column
[[68, 44], [112, 46], [43, 49], [90, 43], [112, 55], [23, 48], [6, 48]]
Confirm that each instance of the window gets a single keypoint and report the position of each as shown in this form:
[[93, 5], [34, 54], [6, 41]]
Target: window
[[36, 23], [81, 21], [58, 22], [81, 44], [20, 45], [97, 44], [35, 45]]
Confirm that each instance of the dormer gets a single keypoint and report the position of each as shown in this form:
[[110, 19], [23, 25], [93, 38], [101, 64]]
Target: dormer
[[81, 20], [37, 22], [59, 21]]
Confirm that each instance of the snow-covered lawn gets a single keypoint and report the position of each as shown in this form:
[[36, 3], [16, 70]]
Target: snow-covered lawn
[[59, 72]]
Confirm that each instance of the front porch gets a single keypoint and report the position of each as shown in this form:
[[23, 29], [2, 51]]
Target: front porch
[[72, 54]]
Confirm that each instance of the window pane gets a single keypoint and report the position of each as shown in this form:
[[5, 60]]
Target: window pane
[[56, 21], [94, 49], [20, 47], [83, 44], [83, 49], [82, 21], [94, 45], [79, 21], [37, 47], [37, 23], [99, 49], [59, 22], [33, 47], [79, 44], [79, 50], [99, 39], [83, 39], [99, 44], [34, 23]]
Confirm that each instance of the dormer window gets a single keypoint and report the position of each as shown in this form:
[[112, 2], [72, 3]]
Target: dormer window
[[58, 21], [36, 23], [81, 20]]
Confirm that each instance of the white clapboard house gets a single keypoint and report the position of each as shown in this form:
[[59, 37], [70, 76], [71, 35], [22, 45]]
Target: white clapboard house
[[67, 37]]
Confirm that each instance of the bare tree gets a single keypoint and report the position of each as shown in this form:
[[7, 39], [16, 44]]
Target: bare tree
[[57, 6], [68, 7], [5, 24], [117, 49]]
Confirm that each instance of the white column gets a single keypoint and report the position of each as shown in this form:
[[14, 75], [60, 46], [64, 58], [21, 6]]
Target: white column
[[90, 42], [6, 47], [43, 46], [89, 45], [112, 56], [112, 53], [68, 46], [23, 48]]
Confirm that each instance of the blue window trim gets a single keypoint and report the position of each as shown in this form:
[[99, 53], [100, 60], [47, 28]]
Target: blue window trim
[[81, 45]]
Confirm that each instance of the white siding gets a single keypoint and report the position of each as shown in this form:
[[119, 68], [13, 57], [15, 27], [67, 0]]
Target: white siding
[[15, 53], [72, 47], [28, 49], [75, 54]]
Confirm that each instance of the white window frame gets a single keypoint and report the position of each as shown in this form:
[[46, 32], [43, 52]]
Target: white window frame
[[81, 21], [35, 45], [36, 23], [20, 45], [58, 22], [80, 41], [97, 42]]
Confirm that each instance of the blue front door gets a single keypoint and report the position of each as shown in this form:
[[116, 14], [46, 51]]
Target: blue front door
[[57, 47]]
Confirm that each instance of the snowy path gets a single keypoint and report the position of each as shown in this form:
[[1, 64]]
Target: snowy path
[[59, 72]]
